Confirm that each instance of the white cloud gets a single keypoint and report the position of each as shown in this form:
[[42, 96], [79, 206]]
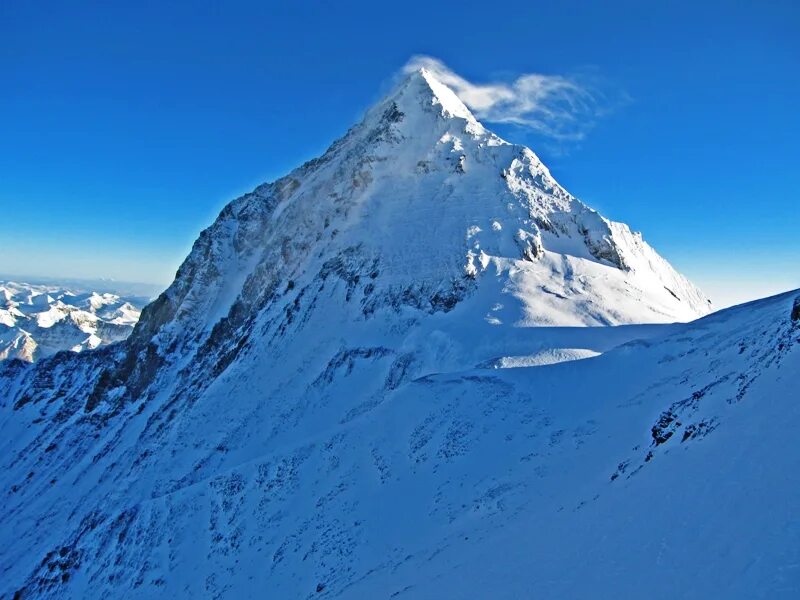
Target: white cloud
[[555, 106]]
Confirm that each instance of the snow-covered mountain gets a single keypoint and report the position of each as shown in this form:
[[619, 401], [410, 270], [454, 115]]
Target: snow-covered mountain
[[40, 320], [321, 405]]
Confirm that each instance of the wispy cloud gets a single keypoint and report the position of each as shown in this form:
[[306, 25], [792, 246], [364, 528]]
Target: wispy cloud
[[558, 107]]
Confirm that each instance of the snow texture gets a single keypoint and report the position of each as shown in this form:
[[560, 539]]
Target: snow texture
[[316, 407]]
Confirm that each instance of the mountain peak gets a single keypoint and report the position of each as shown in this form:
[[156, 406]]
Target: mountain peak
[[420, 207], [420, 94], [442, 95], [420, 248]]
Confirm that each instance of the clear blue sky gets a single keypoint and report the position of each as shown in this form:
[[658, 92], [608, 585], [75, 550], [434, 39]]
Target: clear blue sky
[[125, 127]]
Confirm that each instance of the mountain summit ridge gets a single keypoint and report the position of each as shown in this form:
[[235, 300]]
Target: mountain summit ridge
[[425, 82]]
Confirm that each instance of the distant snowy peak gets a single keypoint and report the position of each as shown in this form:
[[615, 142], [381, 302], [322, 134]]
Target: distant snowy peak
[[40, 320]]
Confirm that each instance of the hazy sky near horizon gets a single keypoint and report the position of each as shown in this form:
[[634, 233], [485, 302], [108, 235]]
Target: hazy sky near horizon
[[125, 128]]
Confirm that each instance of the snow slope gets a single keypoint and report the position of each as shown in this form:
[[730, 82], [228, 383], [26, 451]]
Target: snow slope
[[668, 460], [420, 206], [315, 406], [40, 320], [666, 468]]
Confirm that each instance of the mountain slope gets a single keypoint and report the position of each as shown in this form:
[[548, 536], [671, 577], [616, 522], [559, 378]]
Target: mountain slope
[[417, 212], [663, 469], [667, 460], [421, 202], [330, 345]]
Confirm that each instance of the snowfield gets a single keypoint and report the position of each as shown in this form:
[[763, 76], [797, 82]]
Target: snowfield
[[415, 367]]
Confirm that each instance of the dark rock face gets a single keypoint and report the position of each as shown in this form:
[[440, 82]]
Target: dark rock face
[[796, 310], [604, 248]]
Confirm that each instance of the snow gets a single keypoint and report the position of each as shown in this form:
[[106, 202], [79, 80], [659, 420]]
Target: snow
[[550, 356], [44, 319], [423, 489], [320, 405]]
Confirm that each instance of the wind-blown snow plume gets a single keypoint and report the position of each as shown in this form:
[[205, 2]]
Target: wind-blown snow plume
[[555, 106]]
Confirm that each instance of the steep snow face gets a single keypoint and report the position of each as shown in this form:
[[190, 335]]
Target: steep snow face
[[236, 430], [669, 459], [40, 320], [419, 205]]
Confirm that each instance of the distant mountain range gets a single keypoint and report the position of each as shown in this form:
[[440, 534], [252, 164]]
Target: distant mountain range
[[38, 320], [139, 291]]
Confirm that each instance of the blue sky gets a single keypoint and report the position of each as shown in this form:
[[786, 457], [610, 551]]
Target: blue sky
[[125, 127]]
